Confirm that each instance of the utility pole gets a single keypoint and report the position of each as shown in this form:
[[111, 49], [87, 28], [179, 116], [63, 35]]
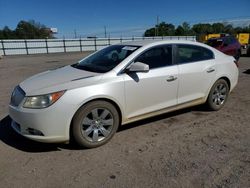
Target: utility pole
[[75, 33], [157, 27], [105, 32]]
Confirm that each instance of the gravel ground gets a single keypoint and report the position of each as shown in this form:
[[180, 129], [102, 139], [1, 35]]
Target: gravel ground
[[187, 148]]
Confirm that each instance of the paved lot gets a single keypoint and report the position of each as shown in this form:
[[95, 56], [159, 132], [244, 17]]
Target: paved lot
[[188, 148]]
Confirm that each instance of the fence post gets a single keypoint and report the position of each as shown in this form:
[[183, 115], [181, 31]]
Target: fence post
[[46, 44], [26, 47], [80, 43], [109, 41], [95, 43], [3, 48], [64, 46]]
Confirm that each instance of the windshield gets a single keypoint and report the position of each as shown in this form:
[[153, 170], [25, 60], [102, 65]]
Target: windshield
[[214, 42], [106, 59]]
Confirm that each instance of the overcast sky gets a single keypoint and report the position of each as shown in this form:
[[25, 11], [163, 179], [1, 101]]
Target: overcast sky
[[125, 18]]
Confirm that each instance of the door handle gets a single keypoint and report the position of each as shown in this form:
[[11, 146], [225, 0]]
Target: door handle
[[171, 78], [210, 70]]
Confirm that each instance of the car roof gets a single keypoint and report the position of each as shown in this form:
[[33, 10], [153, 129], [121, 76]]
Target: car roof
[[221, 38], [158, 42], [146, 44]]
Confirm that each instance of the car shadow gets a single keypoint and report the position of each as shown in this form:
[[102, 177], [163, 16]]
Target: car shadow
[[247, 71], [168, 115], [13, 139]]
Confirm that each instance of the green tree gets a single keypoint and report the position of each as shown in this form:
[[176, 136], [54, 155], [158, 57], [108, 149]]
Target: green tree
[[162, 29], [184, 30], [32, 30], [229, 29], [218, 28], [187, 29], [7, 33], [26, 30], [1, 34], [150, 32], [202, 28], [165, 29], [179, 31]]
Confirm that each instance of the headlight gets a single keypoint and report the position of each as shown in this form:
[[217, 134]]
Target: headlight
[[42, 101]]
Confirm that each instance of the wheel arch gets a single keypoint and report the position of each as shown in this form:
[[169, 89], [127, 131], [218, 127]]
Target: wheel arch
[[97, 99], [222, 77], [227, 80]]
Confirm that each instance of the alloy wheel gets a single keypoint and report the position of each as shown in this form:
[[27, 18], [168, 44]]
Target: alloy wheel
[[219, 95], [97, 125]]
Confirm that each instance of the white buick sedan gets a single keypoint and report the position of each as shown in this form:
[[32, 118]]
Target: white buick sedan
[[122, 83]]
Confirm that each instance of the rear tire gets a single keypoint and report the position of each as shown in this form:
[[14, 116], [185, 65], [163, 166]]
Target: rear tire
[[237, 56], [95, 124], [218, 95], [248, 50]]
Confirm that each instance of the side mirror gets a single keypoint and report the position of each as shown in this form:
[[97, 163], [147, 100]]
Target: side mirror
[[138, 67]]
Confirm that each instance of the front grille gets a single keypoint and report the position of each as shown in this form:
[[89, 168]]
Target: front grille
[[17, 96]]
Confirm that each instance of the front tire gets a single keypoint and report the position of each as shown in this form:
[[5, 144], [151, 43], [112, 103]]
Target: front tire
[[218, 95], [95, 124]]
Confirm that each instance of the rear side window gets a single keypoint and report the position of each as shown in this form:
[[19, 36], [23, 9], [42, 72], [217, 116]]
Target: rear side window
[[229, 40], [192, 53], [156, 57]]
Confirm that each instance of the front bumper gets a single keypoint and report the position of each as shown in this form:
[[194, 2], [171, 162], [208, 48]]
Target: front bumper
[[49, 125], [45, 139]]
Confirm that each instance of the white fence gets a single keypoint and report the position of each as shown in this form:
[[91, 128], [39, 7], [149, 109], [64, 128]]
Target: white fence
[[37, 46]]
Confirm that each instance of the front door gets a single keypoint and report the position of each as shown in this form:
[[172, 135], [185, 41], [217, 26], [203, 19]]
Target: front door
[[156, 89]]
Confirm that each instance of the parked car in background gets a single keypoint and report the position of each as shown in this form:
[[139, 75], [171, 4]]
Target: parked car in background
[[89, 100], [226, 44], [244, 40]]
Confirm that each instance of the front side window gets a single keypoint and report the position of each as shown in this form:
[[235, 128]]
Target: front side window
[[156, 57], [106, 59], [192, 53]]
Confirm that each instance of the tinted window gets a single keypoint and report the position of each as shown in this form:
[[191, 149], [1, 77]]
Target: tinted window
[[157, 57], [228, 41], [106, 59], [215, 42], [192, 53]]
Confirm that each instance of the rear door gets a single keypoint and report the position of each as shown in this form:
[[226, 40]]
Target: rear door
[[196, 71], [229, 47]]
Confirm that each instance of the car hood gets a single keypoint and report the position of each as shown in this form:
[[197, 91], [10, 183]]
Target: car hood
[[51, 80]]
